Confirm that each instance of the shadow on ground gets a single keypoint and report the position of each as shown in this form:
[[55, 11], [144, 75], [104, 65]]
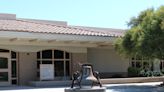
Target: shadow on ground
[[134, 88]]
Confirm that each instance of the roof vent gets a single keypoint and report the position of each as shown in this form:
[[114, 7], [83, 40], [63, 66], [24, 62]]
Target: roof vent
[[7, 16]]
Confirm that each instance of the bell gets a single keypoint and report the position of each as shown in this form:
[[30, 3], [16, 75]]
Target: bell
[[86, 75]]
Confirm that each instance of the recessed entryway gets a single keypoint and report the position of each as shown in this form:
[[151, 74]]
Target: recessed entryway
[[5, 69], [8, 67]]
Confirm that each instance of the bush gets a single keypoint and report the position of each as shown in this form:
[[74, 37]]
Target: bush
[[133, 72], [144, 73], [138, 72], [157, 74]]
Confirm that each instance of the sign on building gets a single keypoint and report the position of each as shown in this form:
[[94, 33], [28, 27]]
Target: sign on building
[[46, 72]]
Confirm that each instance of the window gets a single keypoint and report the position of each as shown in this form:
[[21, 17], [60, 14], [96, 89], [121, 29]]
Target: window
[[3, 50], [38, 55], [14, 60], [38, 64], [3, 76], [60, 60], [13, 55], [145, 63], [67, 55], [14, 68], [140, 62], [47, 54], [3, 63], [58, 54], [59, 68], [133, 64], [14, 82], [67, 68], [4, 66]]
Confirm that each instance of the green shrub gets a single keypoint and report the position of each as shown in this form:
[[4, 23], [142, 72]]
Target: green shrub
[[157, 74], [133, 72], [138, 72], [144, 73]]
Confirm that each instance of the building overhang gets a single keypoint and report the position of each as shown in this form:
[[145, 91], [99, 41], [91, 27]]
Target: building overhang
[[33, 35], [47, 39]]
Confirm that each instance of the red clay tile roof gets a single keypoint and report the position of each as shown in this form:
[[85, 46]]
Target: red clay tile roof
[[111, 31], [28, 26]]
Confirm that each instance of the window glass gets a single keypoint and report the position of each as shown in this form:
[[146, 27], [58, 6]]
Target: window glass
[[161, 65], [67, 68], [38, 55], [133, 64], [47, 54], [14, 82], [58, 54], [38, 74], [38, 64], [3, 76], [67, 55], [3, 62], [3, 50], [138, 64], [14, 68], [146, 63], [13, 55], [59, 68]]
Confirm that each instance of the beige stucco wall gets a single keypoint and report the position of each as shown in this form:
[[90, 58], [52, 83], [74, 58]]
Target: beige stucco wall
[[27, 67], [103, 60], [107, 60], [78, 58]]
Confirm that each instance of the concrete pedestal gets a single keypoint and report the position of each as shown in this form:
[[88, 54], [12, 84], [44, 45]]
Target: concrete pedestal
[[94, 89]]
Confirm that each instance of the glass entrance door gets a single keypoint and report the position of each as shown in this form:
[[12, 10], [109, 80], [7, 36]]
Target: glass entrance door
[[5, 69]]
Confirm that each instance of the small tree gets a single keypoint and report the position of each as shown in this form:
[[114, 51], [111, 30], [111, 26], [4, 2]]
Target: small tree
[[145, 36]]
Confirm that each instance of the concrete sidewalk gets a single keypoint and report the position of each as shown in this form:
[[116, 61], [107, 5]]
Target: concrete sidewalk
[[110, 88], [30, 89]]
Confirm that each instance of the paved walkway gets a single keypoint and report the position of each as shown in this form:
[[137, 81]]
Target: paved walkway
[[130, 87], [31, 89]]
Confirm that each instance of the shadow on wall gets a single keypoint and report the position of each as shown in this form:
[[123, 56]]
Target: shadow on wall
[[113, 75]]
